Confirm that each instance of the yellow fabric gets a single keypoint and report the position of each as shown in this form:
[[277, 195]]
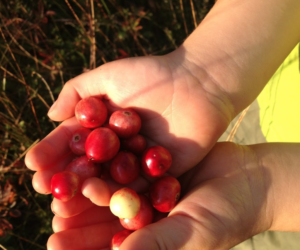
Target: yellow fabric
[[279, 111], [279, 102], [271, 241]]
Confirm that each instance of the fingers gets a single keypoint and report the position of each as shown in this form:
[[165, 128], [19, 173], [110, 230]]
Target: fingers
[[70, 208], [127, 82], [96, 236], [41, 180], [100, 191], [94, 191], [173, 232], [64, 107], [180, 231], [84, 85], [97, 191], [91, 216], [204, 218], [53, 147]]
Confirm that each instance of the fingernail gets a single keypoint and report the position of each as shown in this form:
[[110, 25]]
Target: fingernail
[[52, 107], [52, 208], [85, 192]]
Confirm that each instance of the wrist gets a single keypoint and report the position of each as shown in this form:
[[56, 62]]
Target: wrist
[[185, 66], [239, 46], [280, 163]]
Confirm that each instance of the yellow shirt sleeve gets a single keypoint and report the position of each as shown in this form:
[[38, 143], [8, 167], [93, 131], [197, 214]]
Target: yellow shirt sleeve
[[279, 102]]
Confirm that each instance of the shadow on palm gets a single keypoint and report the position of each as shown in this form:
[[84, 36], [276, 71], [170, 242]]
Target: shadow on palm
[[223, 203]]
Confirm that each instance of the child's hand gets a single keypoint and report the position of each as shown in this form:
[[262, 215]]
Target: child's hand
[[178, 111], [225, 201]]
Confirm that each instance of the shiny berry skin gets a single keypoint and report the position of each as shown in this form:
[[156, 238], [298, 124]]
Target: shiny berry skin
[[156, 161], [125, 122], [135, 144], [165, 193], [64, 185], [91, 112], [124, 167], [77, 141], [102, 145], [118, 239], [143, 218], [84, 168], [125, 203]]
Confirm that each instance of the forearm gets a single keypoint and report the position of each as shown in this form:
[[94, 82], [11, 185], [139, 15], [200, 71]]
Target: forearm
[[281, 166], [240, 44]]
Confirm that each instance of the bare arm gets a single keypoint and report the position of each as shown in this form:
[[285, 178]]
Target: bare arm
[[239, 46], [217, 72], [281, 165], [234, 193]]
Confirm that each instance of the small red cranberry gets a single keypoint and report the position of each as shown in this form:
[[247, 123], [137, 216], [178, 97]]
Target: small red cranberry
[[118, 239], [84, 168], [77, 141], [125, 122], [143, 218], [64, 185], [102, 145], [91, 112], [165, 193], [135, 144], [156, 161], [125, 167]]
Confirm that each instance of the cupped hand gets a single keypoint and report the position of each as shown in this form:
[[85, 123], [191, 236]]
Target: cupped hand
[[180, 107], [225, 201]]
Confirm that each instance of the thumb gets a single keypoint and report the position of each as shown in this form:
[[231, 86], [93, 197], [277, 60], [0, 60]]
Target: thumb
[[174, 232], [116, 80], [183, 231], [122, 83], [82, 86]]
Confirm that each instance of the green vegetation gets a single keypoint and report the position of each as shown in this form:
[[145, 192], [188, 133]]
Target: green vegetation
[[42, 45]]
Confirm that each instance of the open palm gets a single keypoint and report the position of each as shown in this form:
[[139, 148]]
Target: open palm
[[224, 202], [178, 111]]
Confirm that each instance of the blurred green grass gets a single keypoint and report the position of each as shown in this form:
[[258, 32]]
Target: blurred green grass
[[43, 44]]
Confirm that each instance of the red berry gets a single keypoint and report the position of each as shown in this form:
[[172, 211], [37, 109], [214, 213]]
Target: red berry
[[125, 122], [91, 112], [102, 145], [156, 161], [64, 185], [142, 219], [84, 168], [135, 144], [125, 203], [118, 239], [125, 167], [77, 141], [165, 193]]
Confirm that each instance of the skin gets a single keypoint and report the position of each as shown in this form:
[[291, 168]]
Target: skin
[[217, 72], [234, 193]]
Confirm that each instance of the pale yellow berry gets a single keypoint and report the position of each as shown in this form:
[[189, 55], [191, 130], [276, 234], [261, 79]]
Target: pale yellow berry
[[125, 203]]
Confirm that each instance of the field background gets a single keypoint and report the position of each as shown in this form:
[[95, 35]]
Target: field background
[[42, 45]]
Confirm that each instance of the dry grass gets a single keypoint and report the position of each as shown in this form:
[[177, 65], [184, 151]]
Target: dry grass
[[42, 45]]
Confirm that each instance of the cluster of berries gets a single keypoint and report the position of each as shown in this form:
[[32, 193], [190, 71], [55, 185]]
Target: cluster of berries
[[114, 141]]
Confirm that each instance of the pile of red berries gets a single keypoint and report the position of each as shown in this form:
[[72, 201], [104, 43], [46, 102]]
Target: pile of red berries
[[115, 141]]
